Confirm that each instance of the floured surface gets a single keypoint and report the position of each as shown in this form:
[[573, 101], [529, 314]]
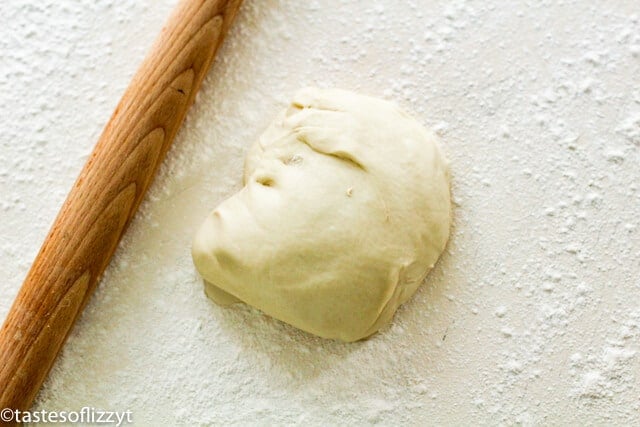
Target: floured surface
[[530, 317]]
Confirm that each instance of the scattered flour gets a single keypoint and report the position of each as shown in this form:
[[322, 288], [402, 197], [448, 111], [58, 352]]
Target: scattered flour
[[531, 317]]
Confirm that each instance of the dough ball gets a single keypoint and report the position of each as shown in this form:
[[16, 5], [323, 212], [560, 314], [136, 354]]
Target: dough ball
[[345, 208]]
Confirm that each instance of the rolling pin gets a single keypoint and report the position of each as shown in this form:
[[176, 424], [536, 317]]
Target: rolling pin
[[106, 195]]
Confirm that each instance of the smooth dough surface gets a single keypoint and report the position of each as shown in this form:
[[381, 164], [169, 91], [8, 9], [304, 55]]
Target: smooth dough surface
[[345, 208]]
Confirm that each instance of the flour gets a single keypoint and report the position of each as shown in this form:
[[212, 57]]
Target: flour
[[530, 317]]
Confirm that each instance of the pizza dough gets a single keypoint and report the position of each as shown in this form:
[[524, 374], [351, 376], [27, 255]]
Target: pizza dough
[[345, 208]]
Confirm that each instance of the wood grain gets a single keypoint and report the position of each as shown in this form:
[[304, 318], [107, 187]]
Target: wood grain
[[106, 195]]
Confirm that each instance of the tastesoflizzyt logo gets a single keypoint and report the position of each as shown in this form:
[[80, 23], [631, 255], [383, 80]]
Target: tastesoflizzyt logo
[[86, 415]]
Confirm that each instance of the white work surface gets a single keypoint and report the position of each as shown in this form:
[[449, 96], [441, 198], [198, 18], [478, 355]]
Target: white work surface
[[532, 315]]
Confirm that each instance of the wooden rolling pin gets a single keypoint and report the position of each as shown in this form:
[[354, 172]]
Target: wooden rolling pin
[[106, 195]]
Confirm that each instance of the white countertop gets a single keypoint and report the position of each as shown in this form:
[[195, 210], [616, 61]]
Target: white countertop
[[531, 317]]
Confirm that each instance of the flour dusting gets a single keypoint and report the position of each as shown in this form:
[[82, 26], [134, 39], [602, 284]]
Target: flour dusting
[[530, 317]]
